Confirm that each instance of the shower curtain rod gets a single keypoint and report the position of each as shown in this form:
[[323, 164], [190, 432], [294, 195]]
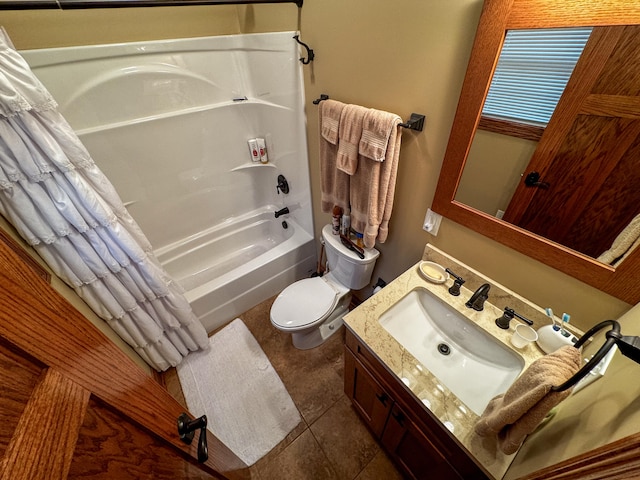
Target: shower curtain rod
[[85, 4]]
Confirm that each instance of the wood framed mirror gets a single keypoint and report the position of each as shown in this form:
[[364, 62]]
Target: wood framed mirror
[[609, 20]]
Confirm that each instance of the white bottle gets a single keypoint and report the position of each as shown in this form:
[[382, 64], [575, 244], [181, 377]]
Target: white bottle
[[262, 148], [345, 224], [253, 150]]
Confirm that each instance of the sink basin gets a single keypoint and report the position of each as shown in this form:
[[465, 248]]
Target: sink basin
[[471, 363]]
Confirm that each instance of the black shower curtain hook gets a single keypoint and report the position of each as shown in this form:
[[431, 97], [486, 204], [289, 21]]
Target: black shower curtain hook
[[310, 54]]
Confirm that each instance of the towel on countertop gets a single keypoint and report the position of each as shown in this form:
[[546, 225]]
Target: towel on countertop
[[377, 129], [330, 112], [372, 190], [516, 413], [334, 183], [350, 133]]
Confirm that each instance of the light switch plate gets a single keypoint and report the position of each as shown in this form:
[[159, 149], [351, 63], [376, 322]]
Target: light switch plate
[[596, 372], [432, 222]]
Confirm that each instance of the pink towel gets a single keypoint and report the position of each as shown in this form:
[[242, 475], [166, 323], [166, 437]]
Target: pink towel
[[518, 412], [377, 128], [350, 132], [334, 184], [372, 191], [330, 111]]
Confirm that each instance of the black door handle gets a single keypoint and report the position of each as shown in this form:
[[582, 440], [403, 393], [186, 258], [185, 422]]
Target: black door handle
[[533, 180], [187, 429]]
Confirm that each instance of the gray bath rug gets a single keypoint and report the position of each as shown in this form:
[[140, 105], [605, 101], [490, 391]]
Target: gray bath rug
[[236, 387]]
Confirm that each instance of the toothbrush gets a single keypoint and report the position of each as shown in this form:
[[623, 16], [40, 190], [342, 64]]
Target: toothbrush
[[549, 313], [565, 319]]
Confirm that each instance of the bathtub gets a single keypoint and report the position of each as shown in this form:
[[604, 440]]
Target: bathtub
[[231, 267], [168, 122]]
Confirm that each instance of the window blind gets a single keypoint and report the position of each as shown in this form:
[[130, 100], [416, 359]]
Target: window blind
[[532, 72]]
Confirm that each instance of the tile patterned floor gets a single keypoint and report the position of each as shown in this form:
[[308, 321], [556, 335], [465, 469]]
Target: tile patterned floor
[[331, 443]]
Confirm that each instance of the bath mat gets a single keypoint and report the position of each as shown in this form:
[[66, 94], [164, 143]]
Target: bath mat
[[236, 387]]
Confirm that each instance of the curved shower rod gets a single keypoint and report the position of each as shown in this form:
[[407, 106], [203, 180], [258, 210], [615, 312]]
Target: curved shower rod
[[85, 4]]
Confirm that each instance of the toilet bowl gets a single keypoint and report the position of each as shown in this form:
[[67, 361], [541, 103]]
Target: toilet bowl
[[312, 309]]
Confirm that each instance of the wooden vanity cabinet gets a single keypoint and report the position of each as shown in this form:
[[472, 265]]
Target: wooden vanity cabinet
[[420, 446]]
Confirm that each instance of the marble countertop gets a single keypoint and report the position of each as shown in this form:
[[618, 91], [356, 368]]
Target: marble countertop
[[454, 415]]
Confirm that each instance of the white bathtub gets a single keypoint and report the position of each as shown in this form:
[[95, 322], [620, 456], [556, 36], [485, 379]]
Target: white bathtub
[[168, 123], [231, 267]]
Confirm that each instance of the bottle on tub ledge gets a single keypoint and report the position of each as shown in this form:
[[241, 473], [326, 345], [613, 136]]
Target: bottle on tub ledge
[[337, 217]]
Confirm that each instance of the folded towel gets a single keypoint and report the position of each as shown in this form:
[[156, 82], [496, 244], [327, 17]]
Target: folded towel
[[372, 191], [517, 413], [350, 132], [377, 128], [334, 184], [330, 111]]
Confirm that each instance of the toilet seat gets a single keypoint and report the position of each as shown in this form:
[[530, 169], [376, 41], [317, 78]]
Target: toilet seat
[[304, 303]]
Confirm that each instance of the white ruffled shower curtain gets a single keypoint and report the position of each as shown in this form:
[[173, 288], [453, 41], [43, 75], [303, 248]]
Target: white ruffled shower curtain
[[63, 205]]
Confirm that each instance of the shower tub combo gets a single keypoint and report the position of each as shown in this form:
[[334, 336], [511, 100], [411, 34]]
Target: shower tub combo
[[168, 122]]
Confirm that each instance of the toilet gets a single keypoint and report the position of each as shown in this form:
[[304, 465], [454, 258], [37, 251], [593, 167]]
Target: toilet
[[312, 309]]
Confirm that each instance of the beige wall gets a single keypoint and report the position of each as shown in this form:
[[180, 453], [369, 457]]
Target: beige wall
[[493, 170]]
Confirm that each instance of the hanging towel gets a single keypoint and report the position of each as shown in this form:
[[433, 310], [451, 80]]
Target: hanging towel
[[373, 189], [330, 111], [377, 127], [334, 183], [516, 413], [350, 133], [624, 244]]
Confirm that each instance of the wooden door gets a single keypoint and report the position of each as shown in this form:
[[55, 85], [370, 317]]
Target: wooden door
[[73, 405], [589, 154]]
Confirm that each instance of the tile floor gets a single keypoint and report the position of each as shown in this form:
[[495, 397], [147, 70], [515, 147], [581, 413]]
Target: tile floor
[[331, 443]]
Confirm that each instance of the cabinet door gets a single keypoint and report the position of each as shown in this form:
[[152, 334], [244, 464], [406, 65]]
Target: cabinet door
[[368, 397], [413, 451]]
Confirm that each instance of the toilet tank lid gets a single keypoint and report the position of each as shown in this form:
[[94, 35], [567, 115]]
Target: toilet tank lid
[[303, 302], [370, 254]]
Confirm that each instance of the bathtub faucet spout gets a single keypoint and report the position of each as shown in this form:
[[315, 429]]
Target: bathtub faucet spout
[[282, 211]]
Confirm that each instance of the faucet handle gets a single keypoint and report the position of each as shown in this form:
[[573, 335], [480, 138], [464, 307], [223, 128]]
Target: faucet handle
[[457, 283], [507, 316]]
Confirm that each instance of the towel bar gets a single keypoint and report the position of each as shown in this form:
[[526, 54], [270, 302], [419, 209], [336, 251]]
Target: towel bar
[[629, 347], [415, 122]]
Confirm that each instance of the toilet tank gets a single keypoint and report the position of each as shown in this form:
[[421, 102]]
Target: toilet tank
[[345, 265]]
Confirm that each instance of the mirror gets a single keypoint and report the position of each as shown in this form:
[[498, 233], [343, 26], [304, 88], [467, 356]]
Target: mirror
[[578, 203], [497, 18]]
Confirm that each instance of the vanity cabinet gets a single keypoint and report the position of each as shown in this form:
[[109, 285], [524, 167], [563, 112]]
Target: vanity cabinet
[[418, 443]]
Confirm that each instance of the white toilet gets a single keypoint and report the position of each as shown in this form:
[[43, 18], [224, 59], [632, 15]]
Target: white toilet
[[311, 309]]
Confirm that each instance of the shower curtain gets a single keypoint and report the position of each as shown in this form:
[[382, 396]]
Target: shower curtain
[[63, 205]]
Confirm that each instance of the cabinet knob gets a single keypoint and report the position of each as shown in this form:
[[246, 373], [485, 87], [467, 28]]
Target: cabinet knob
[[383, 398], [399, 416]]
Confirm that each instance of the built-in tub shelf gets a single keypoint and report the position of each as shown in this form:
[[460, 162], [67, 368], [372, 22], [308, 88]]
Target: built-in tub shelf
[[253, 165]]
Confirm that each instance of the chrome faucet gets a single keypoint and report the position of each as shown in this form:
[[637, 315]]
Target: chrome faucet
[[478, 298]]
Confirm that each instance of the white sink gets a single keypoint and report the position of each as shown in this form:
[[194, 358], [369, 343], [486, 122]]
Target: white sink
[[471, 363]]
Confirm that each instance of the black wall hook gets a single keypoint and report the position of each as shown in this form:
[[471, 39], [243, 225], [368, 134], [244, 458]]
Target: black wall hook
[[310, 54]]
